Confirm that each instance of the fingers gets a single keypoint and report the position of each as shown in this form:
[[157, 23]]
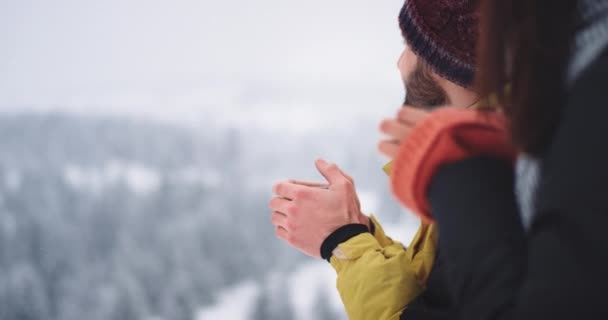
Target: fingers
[[330, 171], [309, 184], [395, 129], [279, 220], [282, 205], [411, 116], [320, 184], [290, 190], [281, 233], [348, 177], [389, 148], [398, 129]]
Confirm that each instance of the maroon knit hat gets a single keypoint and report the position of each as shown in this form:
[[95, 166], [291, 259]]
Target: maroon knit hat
[[444, 34]]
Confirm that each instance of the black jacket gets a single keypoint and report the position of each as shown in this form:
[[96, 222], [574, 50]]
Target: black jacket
[[559, 268], [435, 303]]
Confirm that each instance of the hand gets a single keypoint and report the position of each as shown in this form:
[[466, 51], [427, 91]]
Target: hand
[[306, 213], [398, 129]]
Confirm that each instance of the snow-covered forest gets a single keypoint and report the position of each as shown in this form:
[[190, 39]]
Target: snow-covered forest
[[109, 218]]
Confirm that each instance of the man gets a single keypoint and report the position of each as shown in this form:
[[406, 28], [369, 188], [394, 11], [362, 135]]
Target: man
[[377, 277]]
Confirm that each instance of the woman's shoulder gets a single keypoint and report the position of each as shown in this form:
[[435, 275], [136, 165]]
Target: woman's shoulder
[[574, 167], [593, 81], [585, 108]]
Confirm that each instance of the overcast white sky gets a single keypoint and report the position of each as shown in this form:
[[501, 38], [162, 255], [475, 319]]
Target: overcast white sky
[[182, 59]]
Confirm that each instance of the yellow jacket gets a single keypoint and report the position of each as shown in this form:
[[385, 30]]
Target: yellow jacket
[[378, 277]]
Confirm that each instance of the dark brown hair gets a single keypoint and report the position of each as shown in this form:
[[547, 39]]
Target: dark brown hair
[[525, 46]]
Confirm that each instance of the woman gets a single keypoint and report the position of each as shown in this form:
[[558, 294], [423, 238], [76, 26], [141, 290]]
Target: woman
[[527, 245]]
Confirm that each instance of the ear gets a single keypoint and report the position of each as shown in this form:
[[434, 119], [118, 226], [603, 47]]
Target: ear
[[407, 62]]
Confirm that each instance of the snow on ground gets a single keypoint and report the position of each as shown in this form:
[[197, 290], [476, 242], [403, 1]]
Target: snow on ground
[[245, 293], [307, 282]]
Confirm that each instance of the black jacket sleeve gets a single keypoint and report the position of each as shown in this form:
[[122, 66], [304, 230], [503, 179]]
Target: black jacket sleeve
[[559, 270], [482, 238], [435, 303]]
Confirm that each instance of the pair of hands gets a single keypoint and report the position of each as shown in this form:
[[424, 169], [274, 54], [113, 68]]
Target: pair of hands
[[306, 213]]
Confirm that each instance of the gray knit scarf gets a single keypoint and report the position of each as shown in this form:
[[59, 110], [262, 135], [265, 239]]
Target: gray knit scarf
[[590, 40]]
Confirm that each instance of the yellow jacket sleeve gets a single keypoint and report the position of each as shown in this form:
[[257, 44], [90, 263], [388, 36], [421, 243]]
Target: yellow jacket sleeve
[[378, 277]]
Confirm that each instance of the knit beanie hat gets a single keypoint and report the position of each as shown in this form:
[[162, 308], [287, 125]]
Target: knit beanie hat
[[443, 33]]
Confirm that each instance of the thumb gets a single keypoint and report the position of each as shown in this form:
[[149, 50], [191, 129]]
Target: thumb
[[330, 171]]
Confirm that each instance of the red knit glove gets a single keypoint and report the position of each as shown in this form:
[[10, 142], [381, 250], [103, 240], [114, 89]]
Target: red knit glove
[[446, 136]]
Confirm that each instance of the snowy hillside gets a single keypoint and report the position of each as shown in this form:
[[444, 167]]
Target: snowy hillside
[[118, 219]]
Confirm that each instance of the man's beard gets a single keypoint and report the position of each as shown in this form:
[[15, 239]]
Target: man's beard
[[422, 90]]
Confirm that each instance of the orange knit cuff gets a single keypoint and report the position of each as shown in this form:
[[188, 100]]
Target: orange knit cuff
[[446, 136]]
